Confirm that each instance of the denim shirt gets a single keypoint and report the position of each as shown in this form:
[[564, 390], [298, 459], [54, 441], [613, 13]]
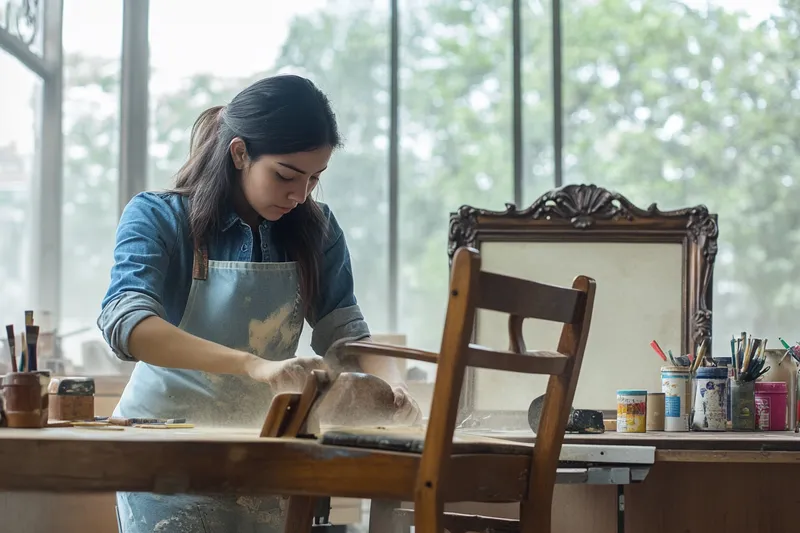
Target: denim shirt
[[152, 271]]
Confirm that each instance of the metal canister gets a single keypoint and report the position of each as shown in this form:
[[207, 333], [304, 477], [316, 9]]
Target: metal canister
[[676, 386], [631, 411], [708, 412], [655, 411]]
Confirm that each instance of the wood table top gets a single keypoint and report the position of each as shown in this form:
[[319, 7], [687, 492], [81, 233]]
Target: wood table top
[[201, 460], [750, 441], [784, 441], [233, 461], [691, 446], [695, 440]]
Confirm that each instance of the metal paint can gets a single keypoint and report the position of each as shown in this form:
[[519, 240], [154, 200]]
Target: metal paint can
[[770, 398], [631, 411], [655, 411], [710, 397], [676, 386]]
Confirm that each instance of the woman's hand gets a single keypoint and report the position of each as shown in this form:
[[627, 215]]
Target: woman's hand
[[285, 376], [407, 412]]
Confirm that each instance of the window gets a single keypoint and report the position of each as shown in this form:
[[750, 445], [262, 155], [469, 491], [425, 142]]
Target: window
[[456, 142], [20, 95], [697, 103], [674, 102], [537, 100], [92, 38], [342, 46]]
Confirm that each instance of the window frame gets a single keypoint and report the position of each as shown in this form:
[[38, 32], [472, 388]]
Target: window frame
[[134, 123]]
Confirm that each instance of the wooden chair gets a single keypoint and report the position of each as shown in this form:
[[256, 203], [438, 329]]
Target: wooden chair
[[448, 471]]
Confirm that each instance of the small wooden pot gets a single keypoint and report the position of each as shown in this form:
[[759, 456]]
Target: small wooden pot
[[71, 398], [23, 395]]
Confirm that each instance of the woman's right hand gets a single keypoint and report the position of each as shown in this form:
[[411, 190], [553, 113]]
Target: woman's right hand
[[285, 376]]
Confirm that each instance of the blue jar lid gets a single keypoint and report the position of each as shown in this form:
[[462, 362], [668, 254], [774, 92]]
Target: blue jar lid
[[712, 372], [633, 392]]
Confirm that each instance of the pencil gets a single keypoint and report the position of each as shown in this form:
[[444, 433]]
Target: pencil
[[12, 349], [33, 338]]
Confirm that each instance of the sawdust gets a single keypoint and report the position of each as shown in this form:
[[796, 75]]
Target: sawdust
[[277, 333], [272, 514], [171, 522], [356, 398]]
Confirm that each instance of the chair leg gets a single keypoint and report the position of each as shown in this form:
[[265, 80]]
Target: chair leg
[[299, 514], [428, 510], [535, 514]]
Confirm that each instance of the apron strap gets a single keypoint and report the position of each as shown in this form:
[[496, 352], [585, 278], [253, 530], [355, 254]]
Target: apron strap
[[200, 263]]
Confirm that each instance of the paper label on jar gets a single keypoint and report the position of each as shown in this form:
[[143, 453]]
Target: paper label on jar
[[672, 406], [631, 414], [762, 413]]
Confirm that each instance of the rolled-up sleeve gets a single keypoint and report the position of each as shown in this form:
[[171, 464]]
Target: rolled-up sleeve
[[145, 241], [336, 308]]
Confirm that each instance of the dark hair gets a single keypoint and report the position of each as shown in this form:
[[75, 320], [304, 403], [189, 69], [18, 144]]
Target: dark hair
[[276, 115]]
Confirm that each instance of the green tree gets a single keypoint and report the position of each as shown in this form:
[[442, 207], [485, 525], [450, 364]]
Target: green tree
[[666, 103], [662, 102], [89, 215]]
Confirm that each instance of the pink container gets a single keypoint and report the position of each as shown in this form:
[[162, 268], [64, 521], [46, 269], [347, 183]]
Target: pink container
[[771, 397]]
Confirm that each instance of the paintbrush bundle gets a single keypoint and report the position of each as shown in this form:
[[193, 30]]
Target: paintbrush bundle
[[28, 350], [748, 357]]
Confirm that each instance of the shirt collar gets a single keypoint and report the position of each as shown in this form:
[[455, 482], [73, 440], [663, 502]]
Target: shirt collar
[[230, 218]]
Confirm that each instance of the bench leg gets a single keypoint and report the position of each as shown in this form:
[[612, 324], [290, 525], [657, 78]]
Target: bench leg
[[299, 514]]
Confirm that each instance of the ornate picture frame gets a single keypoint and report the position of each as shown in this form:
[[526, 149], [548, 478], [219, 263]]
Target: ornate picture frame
[[588, 213]]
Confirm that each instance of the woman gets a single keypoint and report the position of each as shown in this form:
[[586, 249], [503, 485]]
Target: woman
[[212, 281]]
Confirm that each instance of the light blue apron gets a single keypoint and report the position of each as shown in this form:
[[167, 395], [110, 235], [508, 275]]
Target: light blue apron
[[253, 307]]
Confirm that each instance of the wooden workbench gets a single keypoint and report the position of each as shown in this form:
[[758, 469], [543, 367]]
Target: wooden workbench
[[694, 447], [690, 468], [689, 489], [227, 460]]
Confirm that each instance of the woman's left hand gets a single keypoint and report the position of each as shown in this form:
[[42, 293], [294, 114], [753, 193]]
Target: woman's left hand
[[407, 412]]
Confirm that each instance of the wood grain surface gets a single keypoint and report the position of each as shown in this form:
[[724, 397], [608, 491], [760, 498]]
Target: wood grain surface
[[232, 461]]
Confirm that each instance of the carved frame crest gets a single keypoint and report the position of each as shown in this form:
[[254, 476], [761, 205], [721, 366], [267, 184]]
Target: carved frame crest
[[591, 213]]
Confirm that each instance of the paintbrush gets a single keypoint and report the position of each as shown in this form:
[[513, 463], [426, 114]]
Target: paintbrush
[[671, 358], [748, 354], [701, 354], [23, 356], [656, 348], [12, 348], [787, 352], [28, 318], [734, 361], [32, 332], [741, 348]]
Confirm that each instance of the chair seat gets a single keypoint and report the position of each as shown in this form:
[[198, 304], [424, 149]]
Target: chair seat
[[412, 439]]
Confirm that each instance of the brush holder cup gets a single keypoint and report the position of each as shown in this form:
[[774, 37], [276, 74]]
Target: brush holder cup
[[25, 398], [743, 405]]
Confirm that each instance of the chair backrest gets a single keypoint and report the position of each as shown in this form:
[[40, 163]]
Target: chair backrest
[[472, 289]]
